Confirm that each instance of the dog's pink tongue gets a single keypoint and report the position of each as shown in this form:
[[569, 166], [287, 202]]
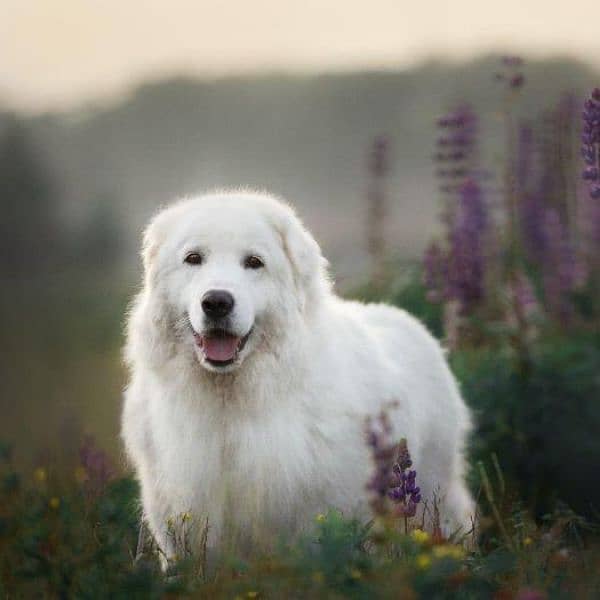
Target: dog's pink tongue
[[220, 348]]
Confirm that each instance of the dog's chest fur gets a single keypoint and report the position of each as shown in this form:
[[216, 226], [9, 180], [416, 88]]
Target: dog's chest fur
[[251, 472]]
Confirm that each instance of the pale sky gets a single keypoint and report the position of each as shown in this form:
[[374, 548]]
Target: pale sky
[[56, 54]]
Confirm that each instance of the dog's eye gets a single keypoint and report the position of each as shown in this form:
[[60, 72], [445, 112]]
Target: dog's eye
[[253, 262], [193, 258]]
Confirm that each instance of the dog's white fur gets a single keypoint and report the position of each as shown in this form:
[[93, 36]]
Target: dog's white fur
[[260, 447]]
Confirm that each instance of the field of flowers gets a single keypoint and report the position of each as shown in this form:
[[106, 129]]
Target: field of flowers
[[512, 286], [79, 536]]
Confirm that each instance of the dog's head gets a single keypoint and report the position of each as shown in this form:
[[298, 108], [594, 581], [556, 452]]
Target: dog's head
[[227, 274]]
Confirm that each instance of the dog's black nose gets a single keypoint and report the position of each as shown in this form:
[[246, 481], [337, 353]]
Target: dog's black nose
[[217, 304]]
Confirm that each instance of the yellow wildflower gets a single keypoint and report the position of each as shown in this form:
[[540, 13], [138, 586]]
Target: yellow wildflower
[[448, 550], [320, 518], [186, 516], [252, 594], [54, 502], [527, 541], [420, 536], [355, 574], [40, 474], [423, 561]]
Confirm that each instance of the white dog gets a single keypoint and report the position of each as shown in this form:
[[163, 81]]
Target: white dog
[[251, 381]]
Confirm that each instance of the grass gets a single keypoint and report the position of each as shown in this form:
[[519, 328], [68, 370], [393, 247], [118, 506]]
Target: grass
[[67, 536]]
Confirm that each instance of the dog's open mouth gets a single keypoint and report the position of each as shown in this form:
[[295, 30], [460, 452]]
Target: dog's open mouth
[[219, 347]]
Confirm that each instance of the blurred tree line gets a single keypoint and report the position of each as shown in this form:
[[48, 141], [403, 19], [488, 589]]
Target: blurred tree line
[[61, 301], [28, 228], [35, 237]]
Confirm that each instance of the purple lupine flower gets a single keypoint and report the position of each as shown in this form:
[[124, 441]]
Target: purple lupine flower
[[404, 491], [544, 210], [455, 273], [588, 215], [525, 157], [561, 272], [532, 214], [456, 148], [459, 129], [590, 152], [555, 181], [392, 477], [96, 464], [543, 185], [466, 256], [531, 194], [590, 136], [378, 434]]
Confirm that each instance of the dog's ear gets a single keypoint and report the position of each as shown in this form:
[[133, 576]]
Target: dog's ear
[[150, 323], [149, 247], [151, 241], [308, 264]]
